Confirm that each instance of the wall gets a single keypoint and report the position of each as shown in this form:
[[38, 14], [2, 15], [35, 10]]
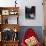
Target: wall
[[38, 21]]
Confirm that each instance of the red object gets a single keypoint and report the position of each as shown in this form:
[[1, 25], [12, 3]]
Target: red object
[[29, 33]]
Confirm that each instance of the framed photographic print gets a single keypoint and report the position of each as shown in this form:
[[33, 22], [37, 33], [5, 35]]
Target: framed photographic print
[[13, 12], [30, 12], [5, 12]]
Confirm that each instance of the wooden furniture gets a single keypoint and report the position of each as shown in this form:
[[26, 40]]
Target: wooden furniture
[[8, 11], [11, 26], [44, 9], [0, 43], [10, 43], [5, 13]]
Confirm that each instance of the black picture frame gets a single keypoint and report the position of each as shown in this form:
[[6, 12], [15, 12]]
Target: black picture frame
[[30, 12]]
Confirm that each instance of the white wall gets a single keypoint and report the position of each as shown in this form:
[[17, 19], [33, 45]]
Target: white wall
[[38, 21]]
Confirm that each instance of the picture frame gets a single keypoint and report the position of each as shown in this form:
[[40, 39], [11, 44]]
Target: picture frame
[[13, 12], [5, 12], [30, 12]]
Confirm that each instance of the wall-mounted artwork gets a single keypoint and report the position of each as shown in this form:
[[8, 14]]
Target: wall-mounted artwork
[[30, 12], [5, 12]]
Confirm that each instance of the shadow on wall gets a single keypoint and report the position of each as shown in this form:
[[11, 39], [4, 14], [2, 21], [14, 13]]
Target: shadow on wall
[[37, 29]]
